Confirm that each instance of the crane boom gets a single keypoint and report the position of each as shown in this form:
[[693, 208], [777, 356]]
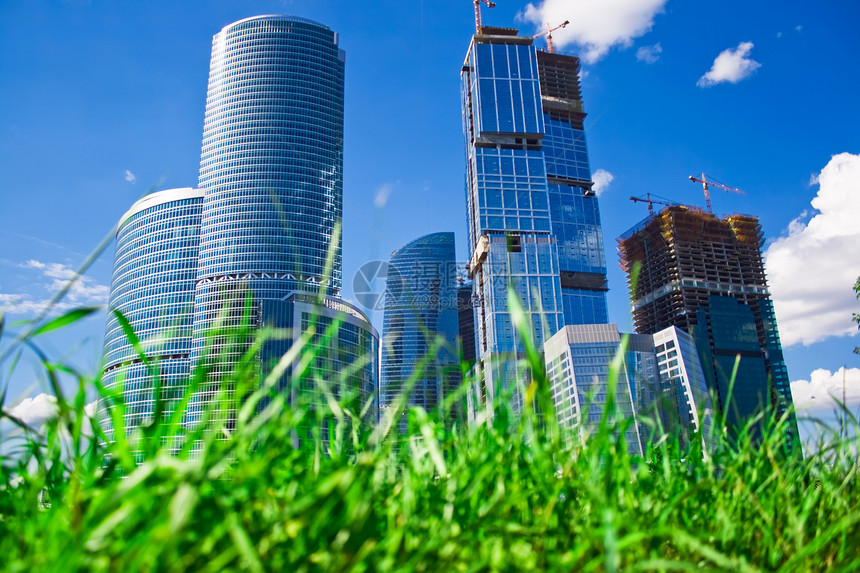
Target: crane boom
[[647, 199], [548, 33], [490, 4], [706, 184]]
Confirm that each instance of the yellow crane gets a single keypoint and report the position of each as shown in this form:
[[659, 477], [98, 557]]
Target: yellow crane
[[490, 4], [548, 33], [706, 184]]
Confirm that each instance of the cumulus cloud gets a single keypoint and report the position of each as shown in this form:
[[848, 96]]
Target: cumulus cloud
[[649, 54], [732, 66], [602, 178], [813, 267], [382, 195], [823, 391], [129, 176], [84, 290], [36, 411], [595, 25]]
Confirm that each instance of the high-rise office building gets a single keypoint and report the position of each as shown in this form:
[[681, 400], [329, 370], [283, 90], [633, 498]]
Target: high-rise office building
[[265, 232], [155, 269], [420, 360], [705, 275], [686, 399], [643, 377], [533, 223], [574, 212], [271, 167], [339, 346], [578, 362], [271, 172]]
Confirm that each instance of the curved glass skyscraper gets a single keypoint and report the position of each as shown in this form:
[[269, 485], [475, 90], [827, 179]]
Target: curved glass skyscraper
[[421, 303], [155, 269], [271, 167]]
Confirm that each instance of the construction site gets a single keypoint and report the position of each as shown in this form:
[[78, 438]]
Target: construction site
[[685, 255]]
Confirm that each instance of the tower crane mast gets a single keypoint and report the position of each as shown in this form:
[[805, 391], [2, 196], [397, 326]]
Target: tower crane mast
[[548, 33], [490, 4], [707, 184]]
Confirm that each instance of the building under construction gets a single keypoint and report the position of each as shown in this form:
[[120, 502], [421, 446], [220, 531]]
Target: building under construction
[[706, 276]]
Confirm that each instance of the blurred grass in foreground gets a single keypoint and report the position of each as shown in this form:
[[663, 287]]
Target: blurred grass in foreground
[[513, 496]]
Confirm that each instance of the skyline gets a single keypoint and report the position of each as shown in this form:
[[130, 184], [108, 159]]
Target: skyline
[[87, 147]]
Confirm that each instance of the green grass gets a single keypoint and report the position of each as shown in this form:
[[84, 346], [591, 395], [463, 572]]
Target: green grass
[[512, 496]]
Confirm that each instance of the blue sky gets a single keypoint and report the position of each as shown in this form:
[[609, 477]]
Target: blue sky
[[102, 101]]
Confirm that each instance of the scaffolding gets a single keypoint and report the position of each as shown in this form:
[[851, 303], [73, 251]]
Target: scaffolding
[[686, 255]]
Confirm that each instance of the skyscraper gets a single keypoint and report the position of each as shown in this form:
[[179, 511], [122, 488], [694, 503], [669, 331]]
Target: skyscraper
[[578, 362], [271, 166], [155, 269], [574, 212], [687, 398], [271, 170], [421, 304], [533, 218], [705, 275], [264, 227]]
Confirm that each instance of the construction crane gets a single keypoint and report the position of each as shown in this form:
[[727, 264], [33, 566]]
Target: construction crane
[[705, 184], [647, 199], [490, 4], [548, 33]]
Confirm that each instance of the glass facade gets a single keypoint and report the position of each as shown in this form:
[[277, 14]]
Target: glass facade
[[687, 399], [341, 354], [578, 360], [155, 269], [574, 212], [271, 170], [533, 220], [421, 306], [199, 273], [640, 363], [726, 334]]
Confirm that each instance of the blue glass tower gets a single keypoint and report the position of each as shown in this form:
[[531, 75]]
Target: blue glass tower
[[271, 166], [533, 218], [271, 171], [421, 304], [574, 212], [155, 269]]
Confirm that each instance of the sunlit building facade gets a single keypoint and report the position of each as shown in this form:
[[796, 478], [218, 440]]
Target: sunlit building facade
[[533, 220], [271, 169], [155, 269], [574, 212], [687, 403], [578, 360]]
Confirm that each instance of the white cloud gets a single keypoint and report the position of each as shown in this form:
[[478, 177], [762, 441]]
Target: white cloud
[[382, 195], [732, 65], [129, 176], [602, 178], [798, 28], [649, 54], [596, 25], [84, 291], [812, 269], [35, 411], [823, 390]]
